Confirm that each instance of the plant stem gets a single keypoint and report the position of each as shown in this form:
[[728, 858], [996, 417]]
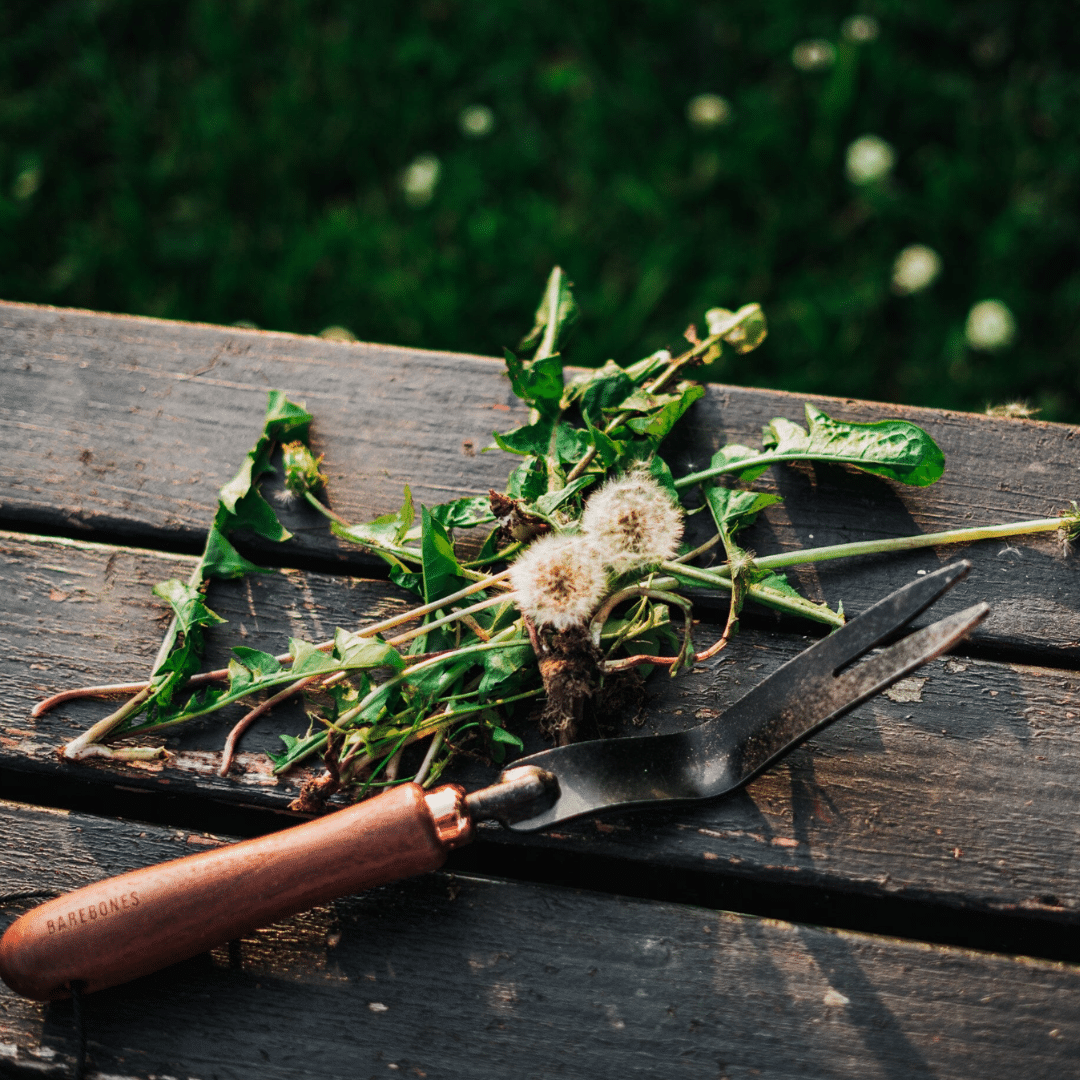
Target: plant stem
[[78, 746], [658, 384], [499, 642], [904, 543], [324, 509], [791, 605]]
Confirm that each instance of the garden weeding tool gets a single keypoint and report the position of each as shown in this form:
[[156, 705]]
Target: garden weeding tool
[[131, 925]]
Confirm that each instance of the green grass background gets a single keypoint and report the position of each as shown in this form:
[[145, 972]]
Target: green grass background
[[243, 161]]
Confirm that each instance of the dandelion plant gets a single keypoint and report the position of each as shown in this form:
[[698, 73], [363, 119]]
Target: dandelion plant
[[578, 590]]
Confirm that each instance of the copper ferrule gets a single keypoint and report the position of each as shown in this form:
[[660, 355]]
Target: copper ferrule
[[453, 823]]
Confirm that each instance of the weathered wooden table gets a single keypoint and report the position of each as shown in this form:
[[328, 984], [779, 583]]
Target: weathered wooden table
[[911, 874]]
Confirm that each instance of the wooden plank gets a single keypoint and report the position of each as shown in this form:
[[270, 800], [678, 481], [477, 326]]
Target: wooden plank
[[959, 788], [124, 428], [444, 977]]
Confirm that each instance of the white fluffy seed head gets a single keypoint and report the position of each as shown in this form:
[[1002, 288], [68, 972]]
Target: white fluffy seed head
[[559, 581], [633, 522]]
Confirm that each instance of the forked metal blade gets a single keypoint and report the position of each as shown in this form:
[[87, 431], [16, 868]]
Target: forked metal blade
[[807, 693]]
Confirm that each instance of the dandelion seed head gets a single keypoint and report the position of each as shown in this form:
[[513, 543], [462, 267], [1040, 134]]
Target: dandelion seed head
[[633, 522], [559, 581]]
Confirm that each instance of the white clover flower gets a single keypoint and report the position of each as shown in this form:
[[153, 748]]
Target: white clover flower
[[633, 522], [990, 325], [559, 581], [814, 55], [419, 179], [476, 121], [708, 111], [869, 158], [915, 268], [861, 29]]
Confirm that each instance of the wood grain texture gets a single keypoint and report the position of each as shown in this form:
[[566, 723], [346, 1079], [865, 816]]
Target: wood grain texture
[[445, 977], [124, 428], [959, 788]]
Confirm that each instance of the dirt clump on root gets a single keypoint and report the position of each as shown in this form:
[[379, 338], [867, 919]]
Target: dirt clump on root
[[581, 703]]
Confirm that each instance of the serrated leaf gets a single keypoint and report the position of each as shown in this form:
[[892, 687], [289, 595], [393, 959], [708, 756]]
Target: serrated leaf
[[538, 382], [550, 501], [896, 449], [355, 652], [283, 420], [259, 663], [530, 440], [608, 450], [555, 317], [732, 454], [605, 392], [528, 481], [388, 529], [221, 560], [778, 583], [464, 513], [307, 660], [407, 579], [187, 603], [292, 745], [442, 573], [661, 473], [501, 735], [505, 669], [657, 426], [733, 509]]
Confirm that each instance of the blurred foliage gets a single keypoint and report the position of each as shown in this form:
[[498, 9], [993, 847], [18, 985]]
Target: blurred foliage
[[248, 161]]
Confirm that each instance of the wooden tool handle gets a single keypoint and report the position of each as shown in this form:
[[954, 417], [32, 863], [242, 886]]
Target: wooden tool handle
[[127, 926]]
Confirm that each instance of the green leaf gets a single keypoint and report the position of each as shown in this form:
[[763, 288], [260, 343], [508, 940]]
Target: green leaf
[[532, 439], [744, 330], [389, 529], [895, 449], [368, 652], [307, 660], [538, 382], [734, 453], [505, 670], [284, 420], [733, 509], [258, 663], [657, 426], [608, 450], [253, 512], [221, 560], [549, 502], [501, 735], [528, 481], [571, 443], [464, 513], [407, 579], [555, 317], [292, 746], [187, 603], [606, 391], [661, 473], [777, 583], [442, 573]]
